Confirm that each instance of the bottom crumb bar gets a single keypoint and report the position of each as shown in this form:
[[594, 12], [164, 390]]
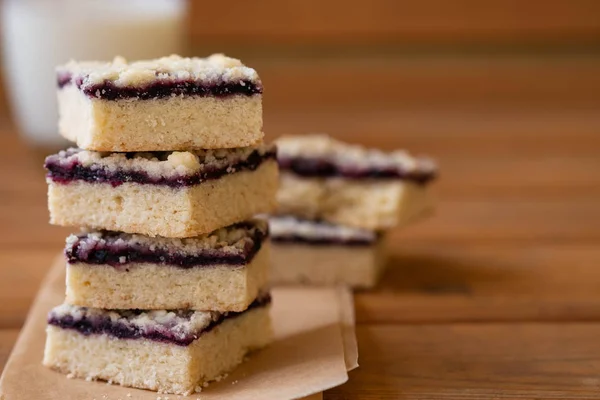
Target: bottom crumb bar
[[173, 352], [322, 254]]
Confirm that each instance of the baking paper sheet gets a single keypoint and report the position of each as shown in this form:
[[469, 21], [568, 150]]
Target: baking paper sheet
[[314, 348]]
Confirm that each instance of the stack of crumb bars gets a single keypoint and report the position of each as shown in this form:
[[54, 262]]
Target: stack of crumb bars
[[166, 283], [336, 201]]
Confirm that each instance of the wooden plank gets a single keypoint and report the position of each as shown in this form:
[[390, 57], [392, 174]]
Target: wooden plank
[[390, 21], [513, 219], [429, 81], [475, 361], [480, 218], [428, 281]]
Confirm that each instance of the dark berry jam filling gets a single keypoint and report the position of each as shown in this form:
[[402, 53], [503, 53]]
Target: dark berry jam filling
[[60, 172], [162, 88], [294, 239], [118, 253], [102, 324], [316, 167]]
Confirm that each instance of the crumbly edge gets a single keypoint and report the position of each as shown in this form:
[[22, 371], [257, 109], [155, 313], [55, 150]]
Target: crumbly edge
[[211, 70], [344, 155], [286, 226], [169, 164], [180, 324], [233, 239]]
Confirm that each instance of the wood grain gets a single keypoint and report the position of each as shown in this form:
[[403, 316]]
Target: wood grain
[[429, 81], [475, 361], [429, 281], [403, 21]]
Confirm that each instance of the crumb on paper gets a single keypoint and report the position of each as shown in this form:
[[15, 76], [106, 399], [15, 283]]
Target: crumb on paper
[[234, 382], [221, 377], [128, 394], [71, 376], [198, 389]]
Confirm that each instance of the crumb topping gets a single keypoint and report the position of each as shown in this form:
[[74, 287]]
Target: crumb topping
[[166, 164], [179, 323], [231, 240], [179, 326], [291, 227], [212, 70], [347, 156]]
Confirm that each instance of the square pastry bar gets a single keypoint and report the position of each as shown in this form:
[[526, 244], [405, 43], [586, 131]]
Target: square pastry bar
[[166, 351], [220, 271], [170, 103], [325, 179], [321, 253], [170, 194]]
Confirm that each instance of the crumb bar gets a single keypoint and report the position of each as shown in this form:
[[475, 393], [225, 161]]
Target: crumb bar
[[169, 194], [320, 253], [170, 103], [166, 351], [220, 271], [325, 179]]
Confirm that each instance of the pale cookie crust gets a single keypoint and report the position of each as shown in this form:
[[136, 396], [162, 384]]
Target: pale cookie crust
[[177, 123], [327, 265], [159, 210], [217, 287], [160, 366], [371, 204]]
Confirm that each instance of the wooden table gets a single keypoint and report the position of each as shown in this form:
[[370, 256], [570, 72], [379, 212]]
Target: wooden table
[[498, 295]]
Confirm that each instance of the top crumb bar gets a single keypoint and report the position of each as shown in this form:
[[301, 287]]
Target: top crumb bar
[[169, 103], [216, 75], [318, 155]]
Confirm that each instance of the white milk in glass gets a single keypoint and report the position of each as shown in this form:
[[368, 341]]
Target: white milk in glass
[[40, 34]]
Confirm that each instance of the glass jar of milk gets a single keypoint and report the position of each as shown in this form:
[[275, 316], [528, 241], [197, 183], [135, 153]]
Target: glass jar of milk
[[38, 35]]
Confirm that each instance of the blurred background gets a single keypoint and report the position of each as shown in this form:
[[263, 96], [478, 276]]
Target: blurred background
[[503, 93], [393, 67]]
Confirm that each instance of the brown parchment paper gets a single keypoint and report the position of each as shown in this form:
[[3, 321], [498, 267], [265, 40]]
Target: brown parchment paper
[[313, 349]]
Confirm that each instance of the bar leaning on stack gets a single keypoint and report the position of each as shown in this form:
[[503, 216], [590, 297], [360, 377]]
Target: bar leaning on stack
[[167, 283], [336, 201]]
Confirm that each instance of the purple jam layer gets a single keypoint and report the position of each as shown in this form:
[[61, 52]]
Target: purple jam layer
[[118, 253], [99, 325], [314, 167], [161, 89], [58, 172], [293, 239]]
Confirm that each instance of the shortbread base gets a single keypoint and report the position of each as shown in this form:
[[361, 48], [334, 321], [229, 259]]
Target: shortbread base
[[368, 204], [163, 367], [157, 210], [157, 287], [174, 123], [327, 265]]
